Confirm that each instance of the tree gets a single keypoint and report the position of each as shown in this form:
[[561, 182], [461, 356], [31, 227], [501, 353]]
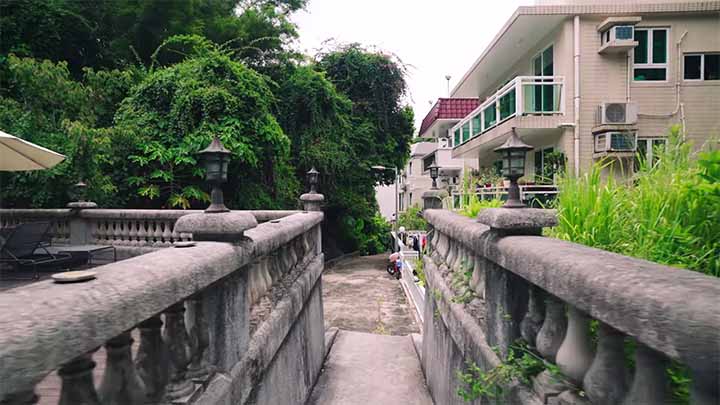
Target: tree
[[176, 111]]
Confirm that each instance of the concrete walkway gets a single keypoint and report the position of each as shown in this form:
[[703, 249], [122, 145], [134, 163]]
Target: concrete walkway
[[359, 295], [370, 369], [373, 360]]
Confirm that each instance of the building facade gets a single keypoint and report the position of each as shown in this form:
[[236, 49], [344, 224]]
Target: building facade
[[582, 81]]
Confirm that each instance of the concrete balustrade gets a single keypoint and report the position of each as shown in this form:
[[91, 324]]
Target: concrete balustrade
[[546, 292], [218, 322]]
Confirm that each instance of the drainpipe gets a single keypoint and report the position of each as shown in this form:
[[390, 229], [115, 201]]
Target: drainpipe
[[576, 91]]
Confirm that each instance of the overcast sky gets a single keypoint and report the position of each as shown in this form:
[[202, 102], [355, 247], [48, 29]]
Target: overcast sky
[[436, 38]]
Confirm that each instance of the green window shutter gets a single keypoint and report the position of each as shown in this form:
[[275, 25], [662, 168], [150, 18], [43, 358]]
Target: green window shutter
[[659, 46], [641, 51]]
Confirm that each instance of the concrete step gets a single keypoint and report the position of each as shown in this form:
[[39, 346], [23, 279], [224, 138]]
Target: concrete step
[[369, 369]]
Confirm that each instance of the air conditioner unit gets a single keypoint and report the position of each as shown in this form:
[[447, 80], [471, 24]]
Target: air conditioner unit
[[615, 142], [617, 113], [443, 143]]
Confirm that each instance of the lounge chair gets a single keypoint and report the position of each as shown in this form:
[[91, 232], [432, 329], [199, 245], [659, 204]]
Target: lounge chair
[[25, 246]]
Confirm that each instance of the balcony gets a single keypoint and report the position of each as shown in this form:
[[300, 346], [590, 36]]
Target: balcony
[[526, 102]]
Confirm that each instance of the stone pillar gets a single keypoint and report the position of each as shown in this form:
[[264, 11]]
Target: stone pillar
[[433, 199], [312, 201]]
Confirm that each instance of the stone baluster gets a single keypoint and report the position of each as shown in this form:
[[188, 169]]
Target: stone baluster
[[606, 381], [176, 236], [650, 383], [142, 234], [292, 254], [552, 333], [478, 276], [535, 315], [197, 326], [118, 232], [575, 353], [451, 258], [96, 231], [157, 233], [167, 234], [132, 232], [121, 384], [152, 360], [176, 339], [78, 386]]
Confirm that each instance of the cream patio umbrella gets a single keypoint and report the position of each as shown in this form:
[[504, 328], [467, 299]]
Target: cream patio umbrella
[[19, 155]]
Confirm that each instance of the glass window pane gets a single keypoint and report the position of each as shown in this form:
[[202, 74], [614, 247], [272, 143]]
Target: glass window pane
[[641, 50], [712, 67], [457, 137], [650, 74], [692, 67], [466, 131], [547, 61], [507, 105], [490, 118], [624, 32], [537, 66], [476, 129], [659, 46]]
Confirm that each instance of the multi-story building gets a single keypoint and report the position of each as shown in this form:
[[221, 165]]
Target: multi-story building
[[586, 80]]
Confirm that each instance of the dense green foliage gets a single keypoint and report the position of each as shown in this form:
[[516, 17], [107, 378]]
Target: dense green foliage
[[669, 214], [411, 219], [130, 91]]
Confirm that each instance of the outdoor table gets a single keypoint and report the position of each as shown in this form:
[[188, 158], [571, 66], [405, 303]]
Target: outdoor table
[[90, 250]]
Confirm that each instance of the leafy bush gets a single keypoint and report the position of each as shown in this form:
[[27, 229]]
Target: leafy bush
[[411, 219], [474, 205]]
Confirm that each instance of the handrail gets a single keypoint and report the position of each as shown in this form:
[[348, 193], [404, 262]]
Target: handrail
[[519, 108], [666, 309], [45, 325]]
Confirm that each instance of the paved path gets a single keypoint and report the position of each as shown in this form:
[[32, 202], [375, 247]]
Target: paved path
[[373, 361], [370, 369], [359, 295]]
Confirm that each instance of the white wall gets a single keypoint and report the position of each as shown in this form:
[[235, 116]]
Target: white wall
[[385, 196]]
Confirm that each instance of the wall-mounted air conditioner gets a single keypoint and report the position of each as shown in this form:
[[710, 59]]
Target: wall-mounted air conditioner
[[615, 142], [443, 143], [617, 114]]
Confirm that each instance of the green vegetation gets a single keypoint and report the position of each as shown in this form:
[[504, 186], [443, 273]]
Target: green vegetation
[[419, 266], [130, 91], [460, 282], [520, 364], [474, 205], [412, 220], [669, 213]]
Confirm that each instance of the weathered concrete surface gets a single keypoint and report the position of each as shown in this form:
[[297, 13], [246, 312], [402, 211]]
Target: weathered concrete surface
[[360, 295], [364, 369]]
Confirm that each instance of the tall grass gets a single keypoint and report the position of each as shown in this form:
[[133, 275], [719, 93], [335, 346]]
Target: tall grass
[[668, 212]]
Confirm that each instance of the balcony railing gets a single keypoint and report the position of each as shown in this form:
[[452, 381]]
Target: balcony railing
[[524, 95], [528, 194]]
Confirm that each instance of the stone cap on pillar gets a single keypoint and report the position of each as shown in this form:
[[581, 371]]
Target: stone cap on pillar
[[80, 205], [518, 221], [220, 227], [312, 201]]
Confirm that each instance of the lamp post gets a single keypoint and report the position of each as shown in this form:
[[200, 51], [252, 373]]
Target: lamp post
[[512, 153], [395, 170], [434, 171], [215, 159]]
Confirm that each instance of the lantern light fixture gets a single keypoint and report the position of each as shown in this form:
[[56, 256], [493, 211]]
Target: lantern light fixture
[[215, 158], [512, 153], [313, 177], [434, 171]]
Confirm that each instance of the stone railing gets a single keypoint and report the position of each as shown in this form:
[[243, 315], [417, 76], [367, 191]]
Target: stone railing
[[132, 232], [218, 322], [547, 293], [58, 218]]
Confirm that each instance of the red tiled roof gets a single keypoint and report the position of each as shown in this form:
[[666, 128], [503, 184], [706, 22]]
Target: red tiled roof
[[453, 108]]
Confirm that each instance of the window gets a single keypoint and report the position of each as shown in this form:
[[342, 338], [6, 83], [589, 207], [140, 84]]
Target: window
[[701, 66], [618, 32], [466, 131], [507, 105], [541, 97], [544, 171], [650, 58], [647, 151], [489, 116], [457, 137], [476, 125]]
